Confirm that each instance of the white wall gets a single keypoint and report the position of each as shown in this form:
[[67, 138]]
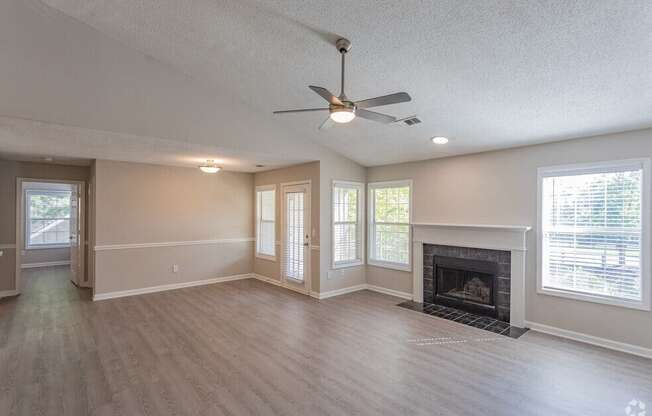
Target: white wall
[[501, 188]]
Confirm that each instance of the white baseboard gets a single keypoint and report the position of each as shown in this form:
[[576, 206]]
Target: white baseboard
[[282, 284], [45, 264], [337, 292], [590, 339], [363, 286], [6, 293], [173, 286], [392, 292]]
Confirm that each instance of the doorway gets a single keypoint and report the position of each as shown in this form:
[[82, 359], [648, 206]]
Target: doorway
[[295, 222], [50, 227]]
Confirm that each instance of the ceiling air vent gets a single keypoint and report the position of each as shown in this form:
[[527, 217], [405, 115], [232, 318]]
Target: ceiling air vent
[[409, 121]]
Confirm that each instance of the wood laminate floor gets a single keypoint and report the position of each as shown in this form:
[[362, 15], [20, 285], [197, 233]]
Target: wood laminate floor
[[249, 348]]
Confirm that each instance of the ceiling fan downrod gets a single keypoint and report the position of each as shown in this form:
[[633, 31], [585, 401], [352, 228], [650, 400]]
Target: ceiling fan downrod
[[343, 46]]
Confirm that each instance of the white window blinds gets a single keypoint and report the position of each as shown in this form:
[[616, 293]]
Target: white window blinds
[[295, 237], [266, 222], [592, 231], [389, 224], [48, 218], [347, 223]]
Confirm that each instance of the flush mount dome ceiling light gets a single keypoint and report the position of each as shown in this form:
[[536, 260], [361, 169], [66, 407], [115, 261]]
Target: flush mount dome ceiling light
[[210, 167], [342, 109], [439, 140]]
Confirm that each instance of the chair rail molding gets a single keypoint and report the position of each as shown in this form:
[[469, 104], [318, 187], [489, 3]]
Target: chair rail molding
[[105, 247]]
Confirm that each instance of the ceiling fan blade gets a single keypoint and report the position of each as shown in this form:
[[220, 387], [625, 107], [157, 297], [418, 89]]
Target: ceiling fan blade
[[373, 116], [301, 110], [399, 97], [328, 123], [326, 95]]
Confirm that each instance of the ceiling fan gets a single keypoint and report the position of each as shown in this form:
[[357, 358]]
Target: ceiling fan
[[343, 110]]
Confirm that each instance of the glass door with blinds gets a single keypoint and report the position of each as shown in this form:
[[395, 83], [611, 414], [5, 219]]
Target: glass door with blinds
[[296, 235]]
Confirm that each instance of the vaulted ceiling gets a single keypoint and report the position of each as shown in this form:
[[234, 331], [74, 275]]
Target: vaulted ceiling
[[204, 76]]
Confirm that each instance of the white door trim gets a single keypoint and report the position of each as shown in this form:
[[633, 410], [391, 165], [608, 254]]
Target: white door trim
[[307, 228], [20, 224]]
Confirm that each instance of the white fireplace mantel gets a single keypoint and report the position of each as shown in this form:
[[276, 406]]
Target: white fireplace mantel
[[479, 226], [494, 237]]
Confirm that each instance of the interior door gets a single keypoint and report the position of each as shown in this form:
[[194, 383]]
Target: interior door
[[296, 236], [76, 244]]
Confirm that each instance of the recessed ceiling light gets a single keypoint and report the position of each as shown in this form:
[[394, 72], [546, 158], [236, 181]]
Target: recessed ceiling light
[[210, 167], [439, 140]]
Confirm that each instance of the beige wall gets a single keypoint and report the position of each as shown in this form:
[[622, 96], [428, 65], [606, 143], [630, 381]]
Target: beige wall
[[306, 171], [9, 171], [321, 174], [389, 278], [501, 188], [334, 167], [140, 203]]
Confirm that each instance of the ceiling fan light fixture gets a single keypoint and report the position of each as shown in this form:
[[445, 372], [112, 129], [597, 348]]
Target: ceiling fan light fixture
[[342, 115], [210, 167], [439, 140]]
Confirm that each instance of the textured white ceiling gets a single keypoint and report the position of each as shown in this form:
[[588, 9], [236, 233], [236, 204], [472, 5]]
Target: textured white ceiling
[[487, 74]]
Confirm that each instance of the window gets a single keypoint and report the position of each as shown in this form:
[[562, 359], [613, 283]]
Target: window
[[47, 219], [348, 207], [389, 224], [266, 222], [593, 233]]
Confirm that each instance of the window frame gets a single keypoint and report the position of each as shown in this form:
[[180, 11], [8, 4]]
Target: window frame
[[371, 186], [600, 167], [360, 186], [264, 256], [28, 220]]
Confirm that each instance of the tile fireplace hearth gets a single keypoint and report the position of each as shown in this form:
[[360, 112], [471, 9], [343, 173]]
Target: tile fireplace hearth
[[470, 286], [462, 317]]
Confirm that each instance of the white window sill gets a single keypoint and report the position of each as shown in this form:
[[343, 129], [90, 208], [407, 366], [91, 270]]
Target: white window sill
[[347, 265], [265, 257], [47, 246], [585, 297], [390, 265]]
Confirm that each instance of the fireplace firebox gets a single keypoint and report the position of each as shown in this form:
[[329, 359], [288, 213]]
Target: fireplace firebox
[[466, 284]]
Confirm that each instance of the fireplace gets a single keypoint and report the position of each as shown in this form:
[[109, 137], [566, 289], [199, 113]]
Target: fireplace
[[474, 280], [466, 284]]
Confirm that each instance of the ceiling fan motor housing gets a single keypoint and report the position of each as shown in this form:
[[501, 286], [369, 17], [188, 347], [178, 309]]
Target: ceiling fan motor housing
[[343, 45]]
